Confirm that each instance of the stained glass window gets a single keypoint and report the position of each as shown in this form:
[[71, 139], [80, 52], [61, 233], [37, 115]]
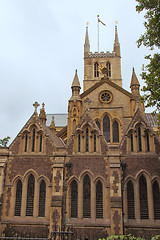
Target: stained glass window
[[86, 197], [30, 196], [106, 128], [17, 211], [115, 128]]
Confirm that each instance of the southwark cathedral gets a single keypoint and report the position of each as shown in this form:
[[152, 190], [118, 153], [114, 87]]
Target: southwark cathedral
[[95, 168]]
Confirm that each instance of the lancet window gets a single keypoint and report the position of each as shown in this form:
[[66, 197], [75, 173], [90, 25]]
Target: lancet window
[[26, 142], [106, 128], [139, 139], [87, 140], [42, 199], [74, 199], [143, 198], [86, 197], [156, 200], [108, 69], [18, 201], [131, 142], [33, 140], [99, 200], [147, 142], [30, 196], [130, 200], [96, 72], [115, 128]]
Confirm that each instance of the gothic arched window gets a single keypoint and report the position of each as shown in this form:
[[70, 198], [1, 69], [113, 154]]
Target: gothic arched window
[[79, 142], [26, 142], [98, 124], [143, 198], [74, 199], [156, 200], [99, 200], [147, 141], [106, 128], [115, 128], [33, 140], [130, 200], [87, 140], [131, 142], [17, 211], [40, 143], [30, 196], [42, 199], [96, 72], [139, 139], [108, 69], [95, 143], [86, 197]]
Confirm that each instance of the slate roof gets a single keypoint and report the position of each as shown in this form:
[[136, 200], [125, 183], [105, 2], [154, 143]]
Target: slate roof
[[152, 119]]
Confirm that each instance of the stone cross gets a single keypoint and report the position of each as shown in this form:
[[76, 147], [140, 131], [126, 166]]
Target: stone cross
[[35, 105], [87, 101]]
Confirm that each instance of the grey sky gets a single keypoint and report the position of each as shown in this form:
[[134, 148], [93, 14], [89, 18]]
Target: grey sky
[[41, 45]]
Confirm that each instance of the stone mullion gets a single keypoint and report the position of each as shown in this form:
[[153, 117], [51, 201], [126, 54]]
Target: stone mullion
[[24, 198], [80, 200], [93, 201], [150, 200], [137, 201], [36, 200]]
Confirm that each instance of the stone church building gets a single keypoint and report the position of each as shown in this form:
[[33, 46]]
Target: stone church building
[[96, 168]]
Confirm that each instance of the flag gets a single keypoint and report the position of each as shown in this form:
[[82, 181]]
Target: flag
[[101, 21]]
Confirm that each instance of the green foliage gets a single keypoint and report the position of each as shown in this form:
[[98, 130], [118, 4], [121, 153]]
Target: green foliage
[[128, 237], [151, 39], [4, 141]]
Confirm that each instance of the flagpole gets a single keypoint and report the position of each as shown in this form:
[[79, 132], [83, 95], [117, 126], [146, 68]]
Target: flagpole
[[98, 35]]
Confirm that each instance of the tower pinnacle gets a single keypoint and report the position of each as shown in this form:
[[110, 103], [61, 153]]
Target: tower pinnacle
[[116, 47], [86, 45], [134, 84]]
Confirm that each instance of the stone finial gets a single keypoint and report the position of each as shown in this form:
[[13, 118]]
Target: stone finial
[[36, 105], [42, 114], [75, 82], [87, 101], [52, 126]]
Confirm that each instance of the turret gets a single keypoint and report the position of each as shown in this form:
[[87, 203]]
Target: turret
[[75, 87], [86, 45], [134, 84], [116, 47], [42, 114]]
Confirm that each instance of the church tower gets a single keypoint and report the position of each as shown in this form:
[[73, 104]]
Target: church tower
[[94, 61]]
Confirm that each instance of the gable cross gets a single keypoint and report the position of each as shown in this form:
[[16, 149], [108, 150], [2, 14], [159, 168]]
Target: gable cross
[[87, 101], [36, 105]]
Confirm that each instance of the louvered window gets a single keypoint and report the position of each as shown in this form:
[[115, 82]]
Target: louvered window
[[86, 197], [96, 72], [108, 69], [17, 211], [143, 198], [139, 139], [106, 128], [115, 127], [74, 199], [99, 200], [156, 200], [42, 199], [130, 200], [30, 196]]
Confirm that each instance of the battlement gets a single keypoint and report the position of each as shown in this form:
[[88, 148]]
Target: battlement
[[101, 54]]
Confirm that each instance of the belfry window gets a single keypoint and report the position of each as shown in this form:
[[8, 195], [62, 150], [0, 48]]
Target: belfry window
[[108, 69], [86, 197], [96, 72], [99, 200], [74, 199], [30, 196], [33, 140], [139, 139], [42, 199], [115, 128], [130, 200], [143, 198], [17, 211], [156, 200], [106, 128]]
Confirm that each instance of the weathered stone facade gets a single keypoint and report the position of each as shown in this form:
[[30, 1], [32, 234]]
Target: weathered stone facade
[[99, 173]]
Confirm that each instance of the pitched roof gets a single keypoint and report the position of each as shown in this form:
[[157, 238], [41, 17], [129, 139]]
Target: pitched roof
[[152, 118], [102, 81]]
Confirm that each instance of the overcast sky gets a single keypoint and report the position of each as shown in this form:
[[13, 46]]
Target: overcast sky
[[41, 45]]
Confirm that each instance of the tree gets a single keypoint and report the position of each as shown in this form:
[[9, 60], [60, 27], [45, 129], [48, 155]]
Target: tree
[[4, 141], [151, 39]]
